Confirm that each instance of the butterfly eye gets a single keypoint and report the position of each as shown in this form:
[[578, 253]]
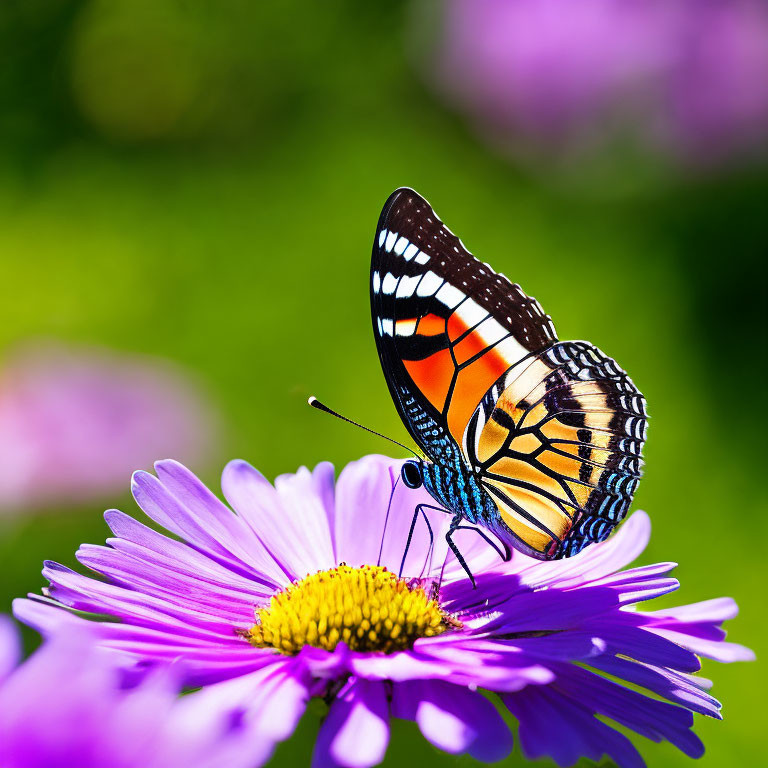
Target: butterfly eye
[[411, 473]]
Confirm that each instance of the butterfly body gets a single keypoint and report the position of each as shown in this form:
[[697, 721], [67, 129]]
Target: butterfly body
[[534, 439], [459, 491]]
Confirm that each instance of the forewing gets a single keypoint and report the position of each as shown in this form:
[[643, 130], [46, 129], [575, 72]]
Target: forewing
[[447, 327], [557, 443]]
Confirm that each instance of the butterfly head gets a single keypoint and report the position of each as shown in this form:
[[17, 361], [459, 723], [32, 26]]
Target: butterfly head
[[412, 474]]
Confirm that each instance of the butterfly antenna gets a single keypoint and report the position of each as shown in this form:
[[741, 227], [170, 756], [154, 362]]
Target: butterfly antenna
[[315, 403]]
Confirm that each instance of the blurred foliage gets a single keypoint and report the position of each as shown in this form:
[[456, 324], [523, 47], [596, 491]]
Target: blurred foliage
[[201, 180]]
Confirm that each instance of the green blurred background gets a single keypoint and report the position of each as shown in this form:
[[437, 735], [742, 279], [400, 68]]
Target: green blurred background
[[200, 181]]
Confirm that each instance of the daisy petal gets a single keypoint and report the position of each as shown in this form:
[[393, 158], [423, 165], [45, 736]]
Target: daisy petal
[[10, 646], [281, 533], [454, 718], [138, 538], [649, 717], [356, 731], [271, 700], [44, 615], [673, 686], [555, 726], [707, 611], [212, 515], [363, 488], [300, 495], [373, 520], [712, 649]]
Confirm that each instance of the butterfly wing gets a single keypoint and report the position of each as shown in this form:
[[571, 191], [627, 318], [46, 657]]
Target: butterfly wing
[[447, 327], [557, 445], [553, 430]]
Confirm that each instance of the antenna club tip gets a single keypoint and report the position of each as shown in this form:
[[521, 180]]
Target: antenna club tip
[[311, 400]]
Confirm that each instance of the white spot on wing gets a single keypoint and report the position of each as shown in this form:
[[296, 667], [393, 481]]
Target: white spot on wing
[[491, 331], [511, 350], [471, 313], [422, 258], [410, 252], [376, 282], [429, 284], [389, 283], [382, 237], [449, 295], [387, 326], [400, 246], [407, 286], [391, 237], [405, 327]]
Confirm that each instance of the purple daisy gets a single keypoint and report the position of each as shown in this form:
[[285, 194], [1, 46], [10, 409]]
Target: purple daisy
[[296, 594], [64, 707]]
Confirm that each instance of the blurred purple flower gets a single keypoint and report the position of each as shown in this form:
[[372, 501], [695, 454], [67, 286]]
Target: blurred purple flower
[[75, 420], [64, 708], [289, 597], [689, 75]]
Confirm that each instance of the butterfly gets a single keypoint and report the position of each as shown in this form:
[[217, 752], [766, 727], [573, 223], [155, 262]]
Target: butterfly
[[535, 440]]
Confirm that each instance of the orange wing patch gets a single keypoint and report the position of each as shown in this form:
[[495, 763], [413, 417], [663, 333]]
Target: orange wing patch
[[431, 325], [456, 326], [472, 344], [433, 376], [472, 383]]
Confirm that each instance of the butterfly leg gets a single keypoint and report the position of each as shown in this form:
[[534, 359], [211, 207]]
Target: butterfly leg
[[419, 511], [455, 525], [505, 555]]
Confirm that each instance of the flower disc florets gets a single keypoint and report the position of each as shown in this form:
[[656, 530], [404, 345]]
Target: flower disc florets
[[368, 608]]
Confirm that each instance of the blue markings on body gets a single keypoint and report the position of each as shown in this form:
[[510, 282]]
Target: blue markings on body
[[460, 492]]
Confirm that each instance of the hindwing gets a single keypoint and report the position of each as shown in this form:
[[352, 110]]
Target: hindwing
[[557, 444]]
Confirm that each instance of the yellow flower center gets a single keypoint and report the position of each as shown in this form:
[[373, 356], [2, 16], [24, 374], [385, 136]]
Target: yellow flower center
[[368, 608]]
